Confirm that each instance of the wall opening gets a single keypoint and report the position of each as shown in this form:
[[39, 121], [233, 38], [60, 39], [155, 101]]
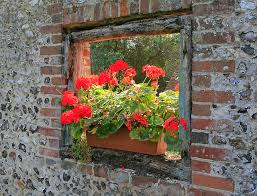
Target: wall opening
[[92, 53]]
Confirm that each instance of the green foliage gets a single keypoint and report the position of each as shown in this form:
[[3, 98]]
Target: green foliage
[[139, 51], [81, 151]]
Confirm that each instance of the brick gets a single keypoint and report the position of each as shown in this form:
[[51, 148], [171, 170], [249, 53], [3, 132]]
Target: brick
[[54, 143], [208, 153], [200, 137], [199, 192], [106, 10], [201, 81], [59, 80], [201, 123], [155, 6], [56, 101], [49, 152], [201, 166], [124, 8], [213, 96], [201, 110], [50, 50], [143, 181], [50, 132], [144, 6], [54, 8], [217, 38], [213, 182], [50, 112], [115, 9], [56, 39], [101, 171], [48, 29], [214, 66], [86, 169], [51, 90], [51, 70]]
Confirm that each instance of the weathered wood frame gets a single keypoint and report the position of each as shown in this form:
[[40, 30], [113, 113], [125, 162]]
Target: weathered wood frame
[[160, 25]]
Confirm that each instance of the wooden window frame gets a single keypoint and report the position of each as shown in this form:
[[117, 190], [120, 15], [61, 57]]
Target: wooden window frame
[[153, 26]]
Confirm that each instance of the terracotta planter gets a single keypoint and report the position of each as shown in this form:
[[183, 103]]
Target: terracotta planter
[[121, 141]]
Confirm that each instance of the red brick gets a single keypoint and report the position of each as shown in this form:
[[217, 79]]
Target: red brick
[[201, 166], [124, 8], [208, 153], [213, 96], [56, 101], [51, 70], [54, 8], [86, 169], [115, 9], [143, 181], [50, 132], [214, 66], [56, 39], [49, 152], [144, 6], [50, 112], [106, 9], [51, 29], [202, 81], [202, 123], [217, 38], [54, 143], [213, 182], [199, 192], [59, 80], [51, 90], [201, 110], [50, 50]]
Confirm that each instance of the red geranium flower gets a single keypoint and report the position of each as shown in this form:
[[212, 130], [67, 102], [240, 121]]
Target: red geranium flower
[[153, 71], [84, 83], [140, 119], [130, 72], [171, 124], [94, 79], [69, 116], [127, 80], [83, 110], [118, 66], [167, 122], [154, 83], [69, 98], [183, 123], [128, 125], [104, 78], [114, 82]]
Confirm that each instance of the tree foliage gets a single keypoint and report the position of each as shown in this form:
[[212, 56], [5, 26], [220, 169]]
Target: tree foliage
[[160, 50]]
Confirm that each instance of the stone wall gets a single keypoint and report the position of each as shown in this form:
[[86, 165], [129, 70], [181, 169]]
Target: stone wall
[[33, 75]]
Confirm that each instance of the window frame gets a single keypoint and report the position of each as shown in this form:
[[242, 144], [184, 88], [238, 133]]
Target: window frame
[[153, 26]]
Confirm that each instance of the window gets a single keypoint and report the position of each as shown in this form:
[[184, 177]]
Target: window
[[85, 43]]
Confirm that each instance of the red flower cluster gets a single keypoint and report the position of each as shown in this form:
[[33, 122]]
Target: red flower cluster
[[171, 125], [84, 83], [119, 65], [104, 78], [128, 125], [69, 117], [83, 110], [114, 82], [127, 80], [79, 111], [69, 98], [130, 72], [140, 119], [153, 71]]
